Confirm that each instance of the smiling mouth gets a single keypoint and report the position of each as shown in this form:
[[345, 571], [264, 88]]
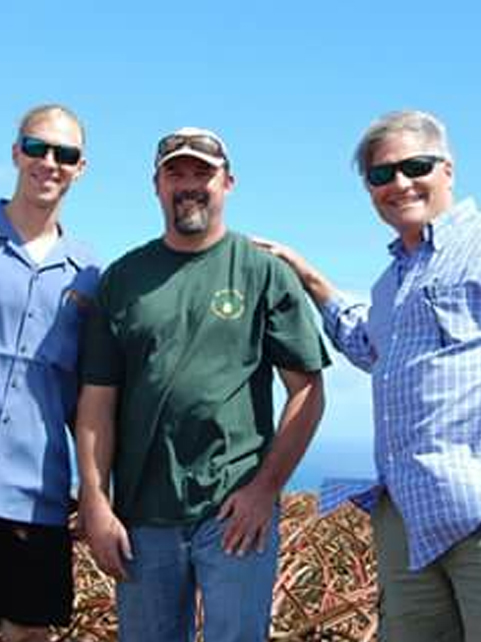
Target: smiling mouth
[[403, 201], [45, 178], [191, 199]]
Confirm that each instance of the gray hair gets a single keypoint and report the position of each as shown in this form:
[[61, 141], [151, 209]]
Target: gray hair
[[421, 124], [42, 110]]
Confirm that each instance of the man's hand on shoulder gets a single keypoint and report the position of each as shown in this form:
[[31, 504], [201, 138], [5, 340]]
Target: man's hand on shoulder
[[315, 283]]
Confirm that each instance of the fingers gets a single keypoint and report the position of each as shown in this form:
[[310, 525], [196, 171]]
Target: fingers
[[111, 548], [261, 539], [241, 537], [227, 508], [237, 537], [125, 547], [111, 560], [78, 529], [261, 242], [244, 530]]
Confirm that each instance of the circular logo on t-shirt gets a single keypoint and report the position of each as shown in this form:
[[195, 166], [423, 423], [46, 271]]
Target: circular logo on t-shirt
[[228, 304]]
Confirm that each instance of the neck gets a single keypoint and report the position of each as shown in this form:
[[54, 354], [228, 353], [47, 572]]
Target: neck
[[32, 221], [411, 241], [412, 237], [195, 242]]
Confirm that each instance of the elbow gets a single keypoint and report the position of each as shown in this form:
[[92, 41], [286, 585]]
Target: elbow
[[321, 399], [318, 398]]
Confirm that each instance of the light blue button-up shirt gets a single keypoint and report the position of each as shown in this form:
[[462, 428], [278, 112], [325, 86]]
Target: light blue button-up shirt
[[42, 307], [421, 340]]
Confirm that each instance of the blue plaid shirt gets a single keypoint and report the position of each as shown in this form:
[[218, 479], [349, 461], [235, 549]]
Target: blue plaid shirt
[[421, 341]]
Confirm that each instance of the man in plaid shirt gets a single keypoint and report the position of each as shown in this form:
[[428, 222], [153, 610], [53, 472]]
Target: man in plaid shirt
[[420, 338]]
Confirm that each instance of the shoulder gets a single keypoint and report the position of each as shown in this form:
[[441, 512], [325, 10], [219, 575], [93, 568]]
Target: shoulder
[[80, 253], [130, 262], [126, 278], [85, 263], [259, 259]]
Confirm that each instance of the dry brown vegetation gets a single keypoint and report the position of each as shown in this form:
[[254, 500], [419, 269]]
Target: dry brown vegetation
[[325, 589]]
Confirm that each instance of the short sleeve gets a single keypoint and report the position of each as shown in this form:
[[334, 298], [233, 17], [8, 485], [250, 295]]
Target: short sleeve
[[102, 361], [293, 339]]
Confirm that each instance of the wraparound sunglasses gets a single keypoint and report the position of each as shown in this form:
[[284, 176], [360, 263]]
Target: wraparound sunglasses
[[38, 148], [413, 167]]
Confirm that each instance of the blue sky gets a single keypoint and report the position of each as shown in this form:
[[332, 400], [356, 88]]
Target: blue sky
[[290, 87]]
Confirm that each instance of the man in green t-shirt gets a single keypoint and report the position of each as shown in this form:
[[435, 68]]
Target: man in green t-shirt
[[177, 406]]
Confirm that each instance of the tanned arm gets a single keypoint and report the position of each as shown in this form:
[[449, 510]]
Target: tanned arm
[[249, 510], [95, 432], [316, 285]]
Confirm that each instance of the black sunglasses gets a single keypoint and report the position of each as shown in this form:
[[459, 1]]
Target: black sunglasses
[[199, 143], [38, 148], [414, 167]]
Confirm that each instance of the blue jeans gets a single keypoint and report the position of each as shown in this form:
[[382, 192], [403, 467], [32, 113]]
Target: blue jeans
[[157, 604]]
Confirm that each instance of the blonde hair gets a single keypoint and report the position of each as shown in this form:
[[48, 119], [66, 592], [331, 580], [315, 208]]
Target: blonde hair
[[41, 110]]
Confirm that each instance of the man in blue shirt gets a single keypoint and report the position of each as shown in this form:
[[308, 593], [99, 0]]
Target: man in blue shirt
[[46, 283], [420, 338]]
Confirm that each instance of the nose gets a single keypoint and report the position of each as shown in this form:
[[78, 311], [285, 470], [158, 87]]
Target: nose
[[191, 178], [190, 184], [49, 158], [401, 180]]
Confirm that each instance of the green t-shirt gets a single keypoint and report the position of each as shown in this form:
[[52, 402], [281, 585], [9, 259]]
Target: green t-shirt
[[191, 339]]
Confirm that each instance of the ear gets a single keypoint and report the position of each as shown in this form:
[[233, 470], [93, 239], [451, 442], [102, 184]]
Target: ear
[[155, 181], [229, 182], [15, 153], [448, 168], [80, 169]]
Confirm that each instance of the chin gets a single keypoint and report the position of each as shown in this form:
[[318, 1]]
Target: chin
[[46, 201], [412, 214], [191, 231]]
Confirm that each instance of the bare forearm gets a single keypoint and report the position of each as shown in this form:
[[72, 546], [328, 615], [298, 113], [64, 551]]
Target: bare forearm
[[95, 439], [248, 510], [315, 283], [94, 458]]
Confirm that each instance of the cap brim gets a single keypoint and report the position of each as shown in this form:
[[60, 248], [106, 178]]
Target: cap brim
[[215, 161]]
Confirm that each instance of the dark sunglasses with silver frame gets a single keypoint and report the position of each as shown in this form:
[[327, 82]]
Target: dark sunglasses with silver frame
[[413, 167], [200, 143], [37, 148]]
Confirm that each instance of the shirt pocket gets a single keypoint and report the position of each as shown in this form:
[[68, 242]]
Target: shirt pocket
[[62, 344], [457, 311]]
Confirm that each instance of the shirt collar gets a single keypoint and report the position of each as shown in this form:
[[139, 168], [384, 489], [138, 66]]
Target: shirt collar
[[440, 229], [7, 231], [438, 232], [66, 249]]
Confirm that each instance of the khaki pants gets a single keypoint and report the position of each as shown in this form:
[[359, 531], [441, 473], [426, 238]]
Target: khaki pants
[[441, 602], [10, 632]]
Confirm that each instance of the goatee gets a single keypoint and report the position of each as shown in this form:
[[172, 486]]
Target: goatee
[[191, 214]]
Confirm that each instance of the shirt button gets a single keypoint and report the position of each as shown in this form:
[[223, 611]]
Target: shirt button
[[6, 419], [30, 315], [23, 349], [14, 384]]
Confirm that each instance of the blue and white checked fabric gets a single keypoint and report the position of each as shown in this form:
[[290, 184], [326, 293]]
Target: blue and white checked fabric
[[336, 491], [421, 341]]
